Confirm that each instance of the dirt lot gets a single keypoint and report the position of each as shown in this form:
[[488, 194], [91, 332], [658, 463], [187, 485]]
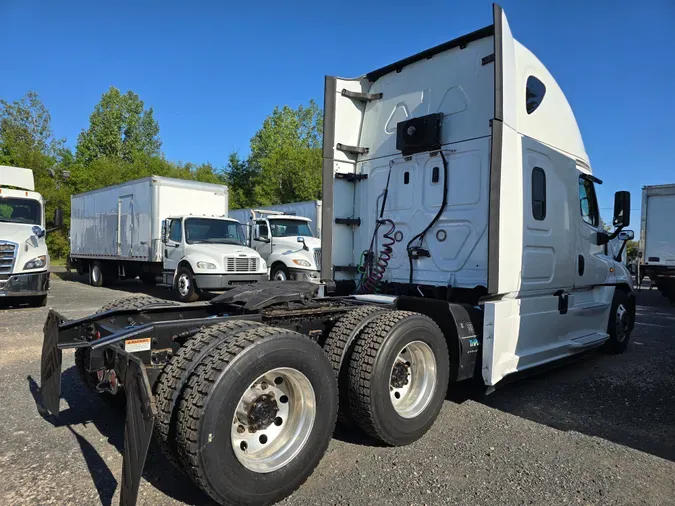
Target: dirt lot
[[598, 430]]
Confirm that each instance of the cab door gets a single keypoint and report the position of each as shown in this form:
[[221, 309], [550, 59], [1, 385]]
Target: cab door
[[262, 239], [592, 266], [173, 247]]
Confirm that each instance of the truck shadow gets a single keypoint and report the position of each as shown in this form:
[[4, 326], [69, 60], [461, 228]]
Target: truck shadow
[[134, 286], [84, 408], [628, 399]]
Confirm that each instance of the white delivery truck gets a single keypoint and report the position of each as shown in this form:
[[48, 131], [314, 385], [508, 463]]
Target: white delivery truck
[[24, 259], [309, 209], [657, 237], [159, 227], [455, 184], [286, 243]]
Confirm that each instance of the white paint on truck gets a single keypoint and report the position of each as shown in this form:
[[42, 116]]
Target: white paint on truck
[[521, 223], [24, 259], [125, 231], [657, 237], [310, 209]]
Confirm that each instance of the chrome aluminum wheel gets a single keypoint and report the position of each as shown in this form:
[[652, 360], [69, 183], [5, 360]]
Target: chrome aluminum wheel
[[412, 380], [273, 420], [280, 275], [184, 284], [622, 323]]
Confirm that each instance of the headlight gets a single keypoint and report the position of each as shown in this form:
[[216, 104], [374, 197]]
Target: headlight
[[36, 263], [301, 262], [205, 265]]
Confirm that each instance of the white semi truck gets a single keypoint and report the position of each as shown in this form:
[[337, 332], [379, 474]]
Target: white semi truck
[[309, 209], [657, 237], [286, 242], [160, 228], [24, 259], [461, 239]]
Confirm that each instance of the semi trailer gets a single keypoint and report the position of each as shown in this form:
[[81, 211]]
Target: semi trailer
[[657, 238], [161, 229], [24, 258], [461, 239]]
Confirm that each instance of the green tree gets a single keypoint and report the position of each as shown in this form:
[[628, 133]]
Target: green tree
[[241, 180], [27, 140], [119, 127], [285, 159], [631, 251]]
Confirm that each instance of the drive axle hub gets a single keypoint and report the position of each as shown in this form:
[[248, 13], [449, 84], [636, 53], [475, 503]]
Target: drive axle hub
[[399, 375], [262, 412]]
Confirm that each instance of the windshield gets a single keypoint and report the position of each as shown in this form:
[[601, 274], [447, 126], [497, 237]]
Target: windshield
[[290, 228], [15, 210], [208, 231]]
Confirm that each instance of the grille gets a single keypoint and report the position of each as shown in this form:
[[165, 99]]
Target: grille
[[7, 257], [241, 264], [317, 258]]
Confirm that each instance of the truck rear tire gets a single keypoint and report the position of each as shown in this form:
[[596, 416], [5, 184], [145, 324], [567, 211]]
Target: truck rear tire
[[339, 346], [257, 416], [175, 375], [186, 286], [398, 376], [96, 274], [90, 379]]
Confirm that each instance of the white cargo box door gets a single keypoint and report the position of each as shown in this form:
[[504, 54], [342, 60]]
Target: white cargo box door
[[125, 226]]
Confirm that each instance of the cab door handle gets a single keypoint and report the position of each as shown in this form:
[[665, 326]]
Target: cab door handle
[[581, 265]]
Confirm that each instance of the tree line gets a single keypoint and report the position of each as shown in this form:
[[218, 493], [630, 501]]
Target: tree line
[[122, 142]]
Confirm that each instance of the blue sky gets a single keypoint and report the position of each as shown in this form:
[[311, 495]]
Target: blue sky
[[213, 70]]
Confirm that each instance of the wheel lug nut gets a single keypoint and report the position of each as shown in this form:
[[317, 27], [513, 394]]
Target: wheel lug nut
[[240, 429], [263, 385]]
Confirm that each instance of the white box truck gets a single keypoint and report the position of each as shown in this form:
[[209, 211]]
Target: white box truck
[[24, 259], [159, 227], [455, 184], [657, 237], [309, 209]]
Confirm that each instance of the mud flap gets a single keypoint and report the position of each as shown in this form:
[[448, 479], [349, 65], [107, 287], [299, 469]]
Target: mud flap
[[140, 419], [50, 366]]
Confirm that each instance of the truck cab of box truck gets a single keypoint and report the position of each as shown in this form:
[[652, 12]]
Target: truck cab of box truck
[[459, 175], [288, 245], [204, 253], [24, 259]]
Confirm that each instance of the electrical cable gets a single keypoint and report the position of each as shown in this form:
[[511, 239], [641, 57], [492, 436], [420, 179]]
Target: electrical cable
[[420, 237]]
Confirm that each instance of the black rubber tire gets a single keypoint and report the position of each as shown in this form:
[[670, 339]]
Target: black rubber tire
[[618, 335], [117, 401], [279, 268], [370, 367], [136, 302], [175, 375], [96, 274], [193, 292], [209, 401], [339, 346]]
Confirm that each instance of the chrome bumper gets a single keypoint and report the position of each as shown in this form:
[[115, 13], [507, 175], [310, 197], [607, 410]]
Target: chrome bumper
[[25, 285], [225, 281]]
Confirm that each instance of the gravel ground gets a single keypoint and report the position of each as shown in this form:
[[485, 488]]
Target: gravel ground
[[597, 430]]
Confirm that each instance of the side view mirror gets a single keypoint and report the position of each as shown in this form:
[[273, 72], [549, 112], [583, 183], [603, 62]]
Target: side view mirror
[[302, 240], [621, 209], [58, 218], [164, 234], [626, 235]]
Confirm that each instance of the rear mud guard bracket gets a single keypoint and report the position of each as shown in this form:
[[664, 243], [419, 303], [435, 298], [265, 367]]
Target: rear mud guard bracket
[[140, 419]]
